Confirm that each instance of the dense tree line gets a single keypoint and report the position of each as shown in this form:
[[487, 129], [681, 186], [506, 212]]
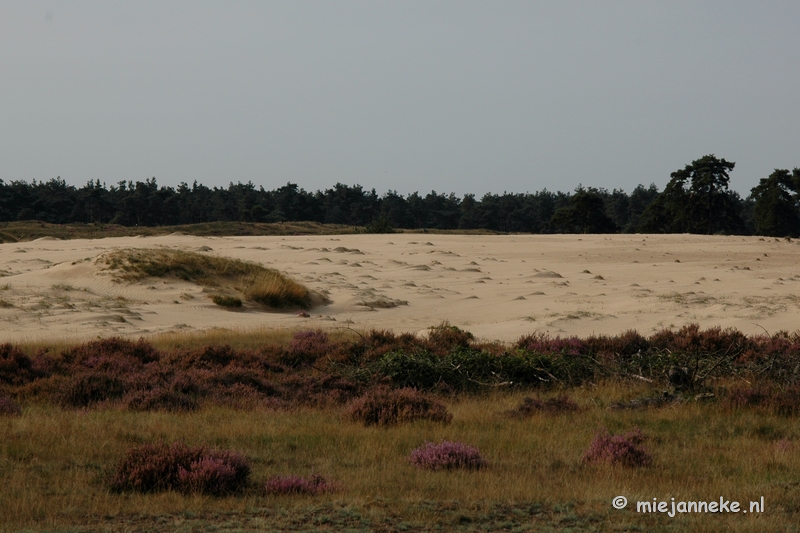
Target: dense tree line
[[696, 200]]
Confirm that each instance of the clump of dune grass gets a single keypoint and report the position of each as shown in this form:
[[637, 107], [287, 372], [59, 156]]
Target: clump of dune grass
[[254, 282]]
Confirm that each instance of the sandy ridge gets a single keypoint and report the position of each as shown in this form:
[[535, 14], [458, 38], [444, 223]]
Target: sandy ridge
[[498, 287]]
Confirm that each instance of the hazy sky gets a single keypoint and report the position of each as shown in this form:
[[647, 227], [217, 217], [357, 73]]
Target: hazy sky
[[452, 96]]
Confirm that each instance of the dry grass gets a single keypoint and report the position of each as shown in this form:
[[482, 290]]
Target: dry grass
[[55, 464], [254, 282]]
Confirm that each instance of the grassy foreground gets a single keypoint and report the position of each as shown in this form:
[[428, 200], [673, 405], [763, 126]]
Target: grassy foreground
[[283, 400], [55, 466]]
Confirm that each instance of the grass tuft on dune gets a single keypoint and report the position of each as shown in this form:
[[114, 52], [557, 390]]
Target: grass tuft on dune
[[226, 275]]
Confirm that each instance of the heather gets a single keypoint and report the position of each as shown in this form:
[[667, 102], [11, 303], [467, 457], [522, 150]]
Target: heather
[[9, 407], [625, 449], [447, 455], [58, 465], [384, 407], [298, 485], [532, 406], [124, 432], [159, 467], [312, 368]]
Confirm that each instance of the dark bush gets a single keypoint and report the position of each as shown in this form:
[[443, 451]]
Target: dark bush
[[541, 343], [386, 407], [622, 449], [445, 338], [16, 368], [692, 339], [382, 224], [624, 345], [159, 467], [470, 369], [89, 389]]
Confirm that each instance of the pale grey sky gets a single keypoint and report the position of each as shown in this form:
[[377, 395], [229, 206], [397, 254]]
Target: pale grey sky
[[454, 96]]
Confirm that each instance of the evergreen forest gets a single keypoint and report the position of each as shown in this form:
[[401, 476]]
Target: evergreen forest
[[696, 199]]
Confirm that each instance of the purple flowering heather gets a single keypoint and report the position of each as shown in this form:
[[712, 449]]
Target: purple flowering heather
[[283, 485], [446, 456], [622, 449]]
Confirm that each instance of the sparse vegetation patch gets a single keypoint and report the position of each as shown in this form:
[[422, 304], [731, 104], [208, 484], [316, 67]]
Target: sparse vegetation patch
[[254, 282]]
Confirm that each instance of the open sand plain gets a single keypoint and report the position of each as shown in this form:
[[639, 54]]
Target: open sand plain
[[497, 287]]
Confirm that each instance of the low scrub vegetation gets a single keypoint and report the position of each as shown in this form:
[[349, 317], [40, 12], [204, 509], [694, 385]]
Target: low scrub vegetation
[[531, 406], [625, 449], [97, 416], [386, 407], [767, 398], [256, 283], [290, 485], [389, 373], [447, 455], [160, 467], [9, 407]]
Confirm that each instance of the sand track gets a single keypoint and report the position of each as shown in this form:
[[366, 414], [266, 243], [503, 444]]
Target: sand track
[[498, 287]]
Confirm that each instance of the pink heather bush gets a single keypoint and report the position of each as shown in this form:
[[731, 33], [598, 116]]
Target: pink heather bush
[[312, 341], [622, 449], [542, 343], [446, 456], [158, 467], [9, 407], [306, 347], [283, 485], [215, 473], [387, 407]]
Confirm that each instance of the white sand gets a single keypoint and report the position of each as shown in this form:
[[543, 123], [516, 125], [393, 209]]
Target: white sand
[[497, 287]]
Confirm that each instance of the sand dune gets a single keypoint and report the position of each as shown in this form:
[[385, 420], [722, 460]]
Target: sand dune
[[498, 287]]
